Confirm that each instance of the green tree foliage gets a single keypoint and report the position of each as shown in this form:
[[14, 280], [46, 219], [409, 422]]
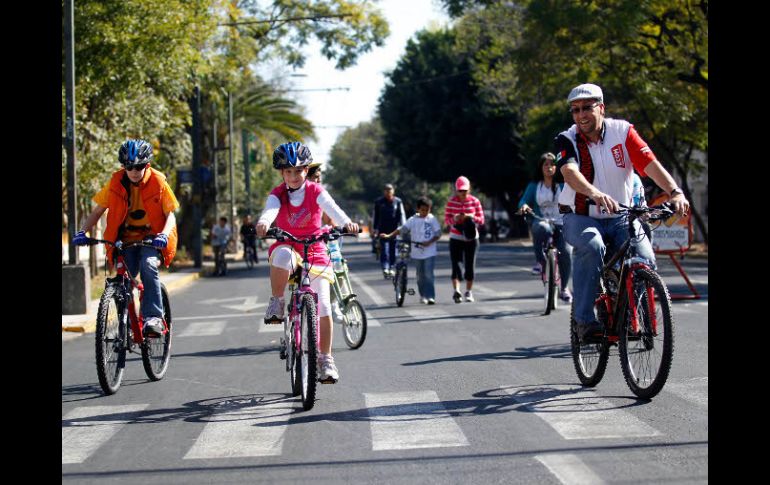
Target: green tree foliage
[[359, 168], [650, 57], [436, 125]]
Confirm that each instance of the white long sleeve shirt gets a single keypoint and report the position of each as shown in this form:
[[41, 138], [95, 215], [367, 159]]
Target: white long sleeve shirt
[[325, 201]]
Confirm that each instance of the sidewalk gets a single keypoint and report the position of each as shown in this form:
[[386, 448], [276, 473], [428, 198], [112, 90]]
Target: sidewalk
[[75, 325]]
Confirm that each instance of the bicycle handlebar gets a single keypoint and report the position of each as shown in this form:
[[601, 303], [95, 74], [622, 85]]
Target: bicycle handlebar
[[147, 242], [335, 233]]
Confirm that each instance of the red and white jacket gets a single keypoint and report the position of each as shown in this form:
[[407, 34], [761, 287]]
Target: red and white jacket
[[613, 159]]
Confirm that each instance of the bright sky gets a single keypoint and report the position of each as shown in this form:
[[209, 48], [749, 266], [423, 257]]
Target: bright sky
[[333, 111]]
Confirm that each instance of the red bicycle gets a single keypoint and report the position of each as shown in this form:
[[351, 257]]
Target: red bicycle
[[119, 325]]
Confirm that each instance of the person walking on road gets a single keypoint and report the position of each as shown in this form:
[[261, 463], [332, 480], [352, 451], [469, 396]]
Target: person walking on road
[[389, 215], [462, 214]]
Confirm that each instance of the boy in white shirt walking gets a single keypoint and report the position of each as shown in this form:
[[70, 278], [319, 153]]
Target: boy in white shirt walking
[[426, 230]]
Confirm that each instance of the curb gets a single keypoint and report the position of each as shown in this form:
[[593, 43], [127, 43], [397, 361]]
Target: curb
[[88, 323]]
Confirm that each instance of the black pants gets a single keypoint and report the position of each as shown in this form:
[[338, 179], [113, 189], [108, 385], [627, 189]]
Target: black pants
[[460, 251]]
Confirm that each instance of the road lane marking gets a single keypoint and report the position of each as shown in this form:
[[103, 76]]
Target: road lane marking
[[407, 420], [203, 329], [376, 298], [579, 414], [569, 469], [693, 390], [81, 435], [251, 430]]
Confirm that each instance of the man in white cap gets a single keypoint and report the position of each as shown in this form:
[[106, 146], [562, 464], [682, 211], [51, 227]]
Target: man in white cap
[[597, 157]]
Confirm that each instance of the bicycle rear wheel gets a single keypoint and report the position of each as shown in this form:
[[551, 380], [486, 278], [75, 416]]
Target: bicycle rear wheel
[[549, 283], [249, 257], [354, 324], [307, 363], [590, 359], [646, 355], [111, 335], [399, 283], [156, 350]]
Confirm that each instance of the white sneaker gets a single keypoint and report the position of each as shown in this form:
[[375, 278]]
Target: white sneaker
[[424, 301], [153, 325], [327, 371], [565, 295], [469, 296], [431, 301], [274, 312]]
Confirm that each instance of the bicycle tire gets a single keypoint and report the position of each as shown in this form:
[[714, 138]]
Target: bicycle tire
[[549, 285], [308, 358], [249, 257], [354, 324], [399, 284], [156, 351], [589, 359], [110, 340], [646, 358]]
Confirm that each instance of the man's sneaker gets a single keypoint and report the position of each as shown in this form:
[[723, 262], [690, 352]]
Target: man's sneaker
[[431, 301], [386, 273], [274, 313], [457, 296], [153, 325], [469, 296], [327, 371], [424, 301], [565, 295], [537, 269], [588, 330]]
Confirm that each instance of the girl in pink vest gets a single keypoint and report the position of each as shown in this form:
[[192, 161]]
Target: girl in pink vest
[[296, 206]]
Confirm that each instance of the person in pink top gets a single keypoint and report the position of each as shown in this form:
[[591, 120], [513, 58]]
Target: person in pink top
[[463, 214], [296, 206]]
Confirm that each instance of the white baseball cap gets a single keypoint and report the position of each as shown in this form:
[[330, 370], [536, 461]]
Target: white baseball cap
[[586, 91]]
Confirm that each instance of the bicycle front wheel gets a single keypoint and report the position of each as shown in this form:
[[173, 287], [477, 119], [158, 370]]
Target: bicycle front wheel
[[549, 283], [156, 350], [399, 283], [590, 359], [111, 337], [646, 354], [354, 324], [307, 363]]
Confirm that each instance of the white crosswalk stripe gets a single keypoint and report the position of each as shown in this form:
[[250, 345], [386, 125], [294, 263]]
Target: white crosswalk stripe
[[245, 431], [579, 414], [569, 469], [694, 390], [203, 329], [406, 420], [86, 428]]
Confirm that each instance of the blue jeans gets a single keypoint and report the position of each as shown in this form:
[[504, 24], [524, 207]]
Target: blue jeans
[[145, 261], [425, 278], [388, 253], [587, 237], [540, 232]]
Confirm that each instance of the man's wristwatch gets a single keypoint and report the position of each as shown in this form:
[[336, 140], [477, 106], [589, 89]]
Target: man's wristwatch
[[675, 192]]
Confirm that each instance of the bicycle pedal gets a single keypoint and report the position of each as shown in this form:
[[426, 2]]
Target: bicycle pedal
[[328, 380], [273, 322], [410, 291]]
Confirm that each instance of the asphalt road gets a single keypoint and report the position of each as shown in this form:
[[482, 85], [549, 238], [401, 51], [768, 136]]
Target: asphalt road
[[481, 392]]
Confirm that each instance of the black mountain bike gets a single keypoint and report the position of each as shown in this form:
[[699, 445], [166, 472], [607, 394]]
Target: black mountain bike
[[635, 308], [401, 278]]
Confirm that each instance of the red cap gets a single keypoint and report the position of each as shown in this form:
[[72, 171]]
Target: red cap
[[462, 183]]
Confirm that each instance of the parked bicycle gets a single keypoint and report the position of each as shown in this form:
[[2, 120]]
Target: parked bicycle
[[353, 315], [299, 344], [550, 273], [119, 325], [635, 308], [401, 278]]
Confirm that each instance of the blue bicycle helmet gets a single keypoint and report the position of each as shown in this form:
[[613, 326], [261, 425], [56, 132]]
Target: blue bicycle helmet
[[292, 154], [134, 152]]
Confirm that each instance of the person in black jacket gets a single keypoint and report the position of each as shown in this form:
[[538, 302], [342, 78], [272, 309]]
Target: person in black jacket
[[388, 216]]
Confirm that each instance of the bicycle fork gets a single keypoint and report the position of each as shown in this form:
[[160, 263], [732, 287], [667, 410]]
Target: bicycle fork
[[632, 301]]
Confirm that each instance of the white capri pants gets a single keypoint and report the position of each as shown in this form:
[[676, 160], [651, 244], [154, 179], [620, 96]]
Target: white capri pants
[[285, 257]]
